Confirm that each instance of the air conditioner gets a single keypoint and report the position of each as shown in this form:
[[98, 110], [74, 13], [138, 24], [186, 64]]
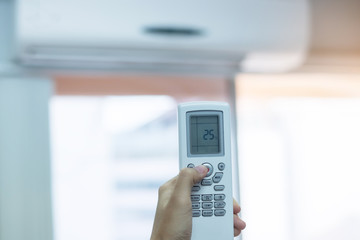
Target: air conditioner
[[246, 35]]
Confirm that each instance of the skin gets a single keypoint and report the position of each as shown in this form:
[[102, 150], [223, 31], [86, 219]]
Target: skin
[[173, 218]]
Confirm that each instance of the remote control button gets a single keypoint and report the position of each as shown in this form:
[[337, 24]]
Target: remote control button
[[209, 167], [196, 213], [195, 198], [221, 166], [207, 205], [207, 197], [217, 177], [190, 165], [206, 182], [195, 188], [220, 204], [219, 197], [219, 187], [219, 212], [207, 213], [195, 205]]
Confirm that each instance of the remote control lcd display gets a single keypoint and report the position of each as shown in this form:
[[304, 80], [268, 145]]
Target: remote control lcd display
[[204, 134]]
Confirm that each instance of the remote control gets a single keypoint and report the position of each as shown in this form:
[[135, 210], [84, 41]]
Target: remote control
[[205, 138]]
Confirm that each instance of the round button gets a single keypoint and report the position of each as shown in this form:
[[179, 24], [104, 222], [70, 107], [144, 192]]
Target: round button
[[190, 165], [209, 167], [221, 166]]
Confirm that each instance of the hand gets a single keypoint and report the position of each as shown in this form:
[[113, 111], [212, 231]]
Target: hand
[[173, 218]]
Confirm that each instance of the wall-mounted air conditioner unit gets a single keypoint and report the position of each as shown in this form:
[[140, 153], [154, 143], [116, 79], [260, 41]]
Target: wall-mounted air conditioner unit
[[252, 35]]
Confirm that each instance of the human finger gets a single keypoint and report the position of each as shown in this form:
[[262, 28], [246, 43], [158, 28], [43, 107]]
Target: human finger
[[236, 207], [187, 178], [239, 225]]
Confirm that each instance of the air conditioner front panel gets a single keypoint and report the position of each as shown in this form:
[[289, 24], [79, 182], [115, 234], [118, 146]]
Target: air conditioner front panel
[[122, 22], [201, 27]]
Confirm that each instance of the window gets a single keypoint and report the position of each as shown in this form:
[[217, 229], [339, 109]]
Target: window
[[299, 138]]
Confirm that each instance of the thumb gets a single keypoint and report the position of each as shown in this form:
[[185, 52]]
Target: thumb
[[188, 177]]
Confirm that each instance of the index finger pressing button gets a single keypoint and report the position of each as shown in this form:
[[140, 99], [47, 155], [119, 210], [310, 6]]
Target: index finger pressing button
[[209, 167]]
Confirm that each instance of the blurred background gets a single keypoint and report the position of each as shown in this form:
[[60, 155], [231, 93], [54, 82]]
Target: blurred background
[[88, 99]]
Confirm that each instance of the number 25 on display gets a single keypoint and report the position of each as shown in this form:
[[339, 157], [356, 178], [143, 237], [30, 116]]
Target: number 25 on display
[[209, 134]]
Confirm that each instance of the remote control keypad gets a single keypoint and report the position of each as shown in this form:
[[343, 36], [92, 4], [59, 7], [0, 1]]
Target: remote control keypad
[[208, 205]]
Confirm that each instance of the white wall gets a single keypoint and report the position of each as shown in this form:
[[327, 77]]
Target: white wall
[[7, 42], [25, 193]]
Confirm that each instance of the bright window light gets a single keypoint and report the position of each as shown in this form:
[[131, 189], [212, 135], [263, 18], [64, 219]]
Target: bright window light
[[299, 160], [110, 155]]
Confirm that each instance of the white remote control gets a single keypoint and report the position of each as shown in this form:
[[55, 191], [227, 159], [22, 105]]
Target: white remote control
[[205, 138]]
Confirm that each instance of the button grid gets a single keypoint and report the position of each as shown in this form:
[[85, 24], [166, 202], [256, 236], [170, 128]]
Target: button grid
[[208, 205]]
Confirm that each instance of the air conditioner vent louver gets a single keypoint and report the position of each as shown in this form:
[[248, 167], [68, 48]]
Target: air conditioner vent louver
[[100, 57]]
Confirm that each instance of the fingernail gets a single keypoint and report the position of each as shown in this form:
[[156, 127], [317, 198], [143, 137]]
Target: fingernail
[[201, 169]]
